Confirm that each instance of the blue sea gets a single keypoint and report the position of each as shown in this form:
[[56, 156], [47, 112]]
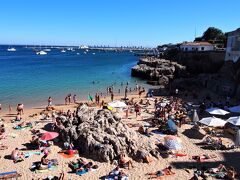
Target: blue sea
[[30, 79]]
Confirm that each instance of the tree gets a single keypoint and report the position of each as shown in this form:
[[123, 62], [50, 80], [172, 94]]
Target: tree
[[215, 36], [213, 33]]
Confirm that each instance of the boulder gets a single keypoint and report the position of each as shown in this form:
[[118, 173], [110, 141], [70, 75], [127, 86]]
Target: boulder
[[102, 136]]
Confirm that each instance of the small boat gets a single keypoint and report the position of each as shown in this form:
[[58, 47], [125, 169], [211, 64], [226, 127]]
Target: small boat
[[11, 49], [78, 53], [63, 51], [41, 53], [85, 52], [48, 50], [93, 53]]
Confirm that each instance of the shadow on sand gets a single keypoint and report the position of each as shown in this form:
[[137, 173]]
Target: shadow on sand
[[193, 134]]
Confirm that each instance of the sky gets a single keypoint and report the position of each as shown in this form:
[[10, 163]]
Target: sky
[[145, 23]]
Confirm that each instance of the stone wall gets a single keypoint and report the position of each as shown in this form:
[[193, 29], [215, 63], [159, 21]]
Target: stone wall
[[201, 62]]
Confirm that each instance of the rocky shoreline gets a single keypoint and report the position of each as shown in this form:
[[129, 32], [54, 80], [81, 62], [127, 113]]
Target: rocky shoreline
[[158, 71]]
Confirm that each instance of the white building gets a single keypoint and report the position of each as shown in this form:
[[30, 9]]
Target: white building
[[196, 46], [233, 46]]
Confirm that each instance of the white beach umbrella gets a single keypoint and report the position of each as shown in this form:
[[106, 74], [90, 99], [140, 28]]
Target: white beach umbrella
[[237, 142], [213, 121], [235, 109], [217, 111], [195, 116], [117, 104], [234, 120]]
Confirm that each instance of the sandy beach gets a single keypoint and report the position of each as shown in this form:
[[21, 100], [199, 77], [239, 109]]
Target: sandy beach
[[16, 138]]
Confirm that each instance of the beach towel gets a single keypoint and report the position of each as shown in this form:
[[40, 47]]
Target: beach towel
[[9, 175], [21, 128], [158, 133], [28, 154], [180, 155], [84, 171], [64, 155], [46, 170]]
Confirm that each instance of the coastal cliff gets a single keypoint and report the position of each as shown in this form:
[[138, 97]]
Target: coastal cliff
[[158, 71]]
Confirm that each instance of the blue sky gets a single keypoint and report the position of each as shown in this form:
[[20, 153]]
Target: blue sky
[[113, 22]]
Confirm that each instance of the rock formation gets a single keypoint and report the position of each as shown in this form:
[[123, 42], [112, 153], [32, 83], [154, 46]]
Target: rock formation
[[158, 70], [102, 136]]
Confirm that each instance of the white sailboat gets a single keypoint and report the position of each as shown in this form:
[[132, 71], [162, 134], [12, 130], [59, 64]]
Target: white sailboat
[[63, 51], [41, 53], [11, 49]]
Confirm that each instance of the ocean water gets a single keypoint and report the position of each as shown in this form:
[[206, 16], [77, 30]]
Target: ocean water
[[30, 79]]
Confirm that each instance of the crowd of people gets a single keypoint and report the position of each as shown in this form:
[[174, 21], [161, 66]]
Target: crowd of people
[[166, 111]]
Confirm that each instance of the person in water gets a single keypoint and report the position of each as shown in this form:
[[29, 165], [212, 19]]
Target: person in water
[[74, 98], [50, 101]]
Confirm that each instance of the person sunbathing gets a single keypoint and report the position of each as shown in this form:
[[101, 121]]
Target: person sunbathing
[[86, 168], [125, 161], [218, 169], [162, 173], [79, 164], [44, 160], [35, 142], [203, 157], [16, 156], [69, 149], [117, 174]]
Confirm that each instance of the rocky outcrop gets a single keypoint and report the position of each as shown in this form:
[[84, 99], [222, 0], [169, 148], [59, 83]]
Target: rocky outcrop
[[158, 70], [101, 135]]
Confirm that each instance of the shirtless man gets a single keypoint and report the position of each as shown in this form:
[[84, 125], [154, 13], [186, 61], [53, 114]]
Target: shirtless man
[[125, 161], [16, 155]]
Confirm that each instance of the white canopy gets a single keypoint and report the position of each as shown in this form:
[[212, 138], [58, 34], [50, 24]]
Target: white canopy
[[213, 121], [234, 120], [117, 104], [235, 109], [217, 111], [195, 116]]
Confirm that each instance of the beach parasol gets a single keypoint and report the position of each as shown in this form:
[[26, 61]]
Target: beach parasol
[[217, 111], [237, 142], [195, 116], [117, 104], [235, 109], [213, 121], [49, 136], [172, 143], [234, 120]]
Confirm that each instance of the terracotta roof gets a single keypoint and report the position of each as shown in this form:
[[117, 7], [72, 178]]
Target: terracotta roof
[[197, 44]]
